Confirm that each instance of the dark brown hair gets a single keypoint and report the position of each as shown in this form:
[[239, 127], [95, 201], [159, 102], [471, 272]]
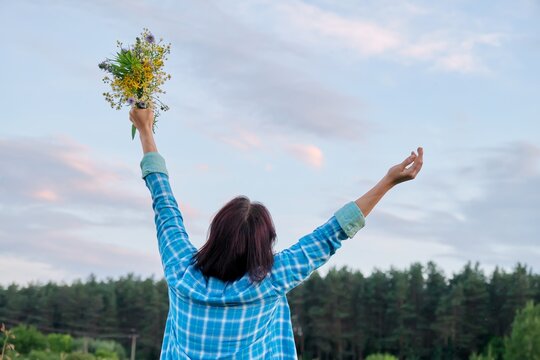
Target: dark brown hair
[[240, 241]]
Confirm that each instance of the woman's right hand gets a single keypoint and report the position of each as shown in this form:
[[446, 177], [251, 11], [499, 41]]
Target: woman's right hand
[[143, 119], [400, 173]]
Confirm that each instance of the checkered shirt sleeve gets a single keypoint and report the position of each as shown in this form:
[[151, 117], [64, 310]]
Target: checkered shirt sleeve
[[294, 264], [173, 240]]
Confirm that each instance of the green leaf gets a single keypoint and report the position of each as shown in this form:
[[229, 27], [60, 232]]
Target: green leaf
[[133, 129]]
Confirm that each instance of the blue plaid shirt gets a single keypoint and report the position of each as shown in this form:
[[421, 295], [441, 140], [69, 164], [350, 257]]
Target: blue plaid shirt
[[212, 319]]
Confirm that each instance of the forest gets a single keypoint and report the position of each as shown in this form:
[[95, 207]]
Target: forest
[[414, 313]]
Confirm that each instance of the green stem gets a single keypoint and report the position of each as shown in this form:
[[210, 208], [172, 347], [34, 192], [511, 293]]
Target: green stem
[[4, 347], [133, 130]]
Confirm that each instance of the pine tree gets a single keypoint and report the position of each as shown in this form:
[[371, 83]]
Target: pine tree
[[396, 314], [524, 341], [436, 291], [377, 285]]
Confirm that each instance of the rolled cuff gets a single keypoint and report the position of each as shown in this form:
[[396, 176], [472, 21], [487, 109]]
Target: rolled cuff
[[153, 162], [350, 218]]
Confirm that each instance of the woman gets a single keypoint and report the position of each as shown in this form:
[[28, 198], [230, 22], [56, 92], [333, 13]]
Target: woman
[[228, 299]]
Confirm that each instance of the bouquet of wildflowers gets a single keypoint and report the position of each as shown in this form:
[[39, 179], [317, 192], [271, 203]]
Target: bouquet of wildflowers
[[136, 74]]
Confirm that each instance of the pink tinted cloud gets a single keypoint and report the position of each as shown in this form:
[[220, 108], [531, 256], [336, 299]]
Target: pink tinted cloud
[[46, 195], [242, 139], [460, 62], [425, 50], [367, 37], [54, 189], [446, 49], [58, 169], [308, 154]]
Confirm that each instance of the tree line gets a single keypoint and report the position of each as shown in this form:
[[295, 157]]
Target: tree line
[[413, 313]]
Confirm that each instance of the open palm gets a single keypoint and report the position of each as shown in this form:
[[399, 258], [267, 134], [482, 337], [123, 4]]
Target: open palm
[[403, 172]]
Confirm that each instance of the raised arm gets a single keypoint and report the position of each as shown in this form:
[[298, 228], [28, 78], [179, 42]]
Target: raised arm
[[294, 264], [397, 174], [173, 240]]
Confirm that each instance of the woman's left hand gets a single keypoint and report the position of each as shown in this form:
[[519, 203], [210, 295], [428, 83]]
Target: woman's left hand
[[400, 172]]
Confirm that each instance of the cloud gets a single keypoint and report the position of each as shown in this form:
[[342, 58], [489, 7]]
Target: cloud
[[393, 39], [251, 78], [460, 55], [247, 141], [57, 170], [242, 139], [497, 226], [46, 195], [68, 212], [366, 37], [309, 154], [459, 62], [64, 251], [22, 271]]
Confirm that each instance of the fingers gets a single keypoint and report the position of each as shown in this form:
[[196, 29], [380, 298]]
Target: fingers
[[417, 165], [415, 168], [408, 160]]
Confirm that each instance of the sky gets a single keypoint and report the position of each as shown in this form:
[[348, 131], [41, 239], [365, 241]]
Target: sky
[[300, 105]]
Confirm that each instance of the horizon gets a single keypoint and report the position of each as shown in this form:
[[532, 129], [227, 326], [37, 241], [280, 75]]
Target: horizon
[[157, 278]]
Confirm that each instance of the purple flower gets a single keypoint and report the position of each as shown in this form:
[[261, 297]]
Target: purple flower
[[131, 101], [105, 66], [150, 38], [141, 105]]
